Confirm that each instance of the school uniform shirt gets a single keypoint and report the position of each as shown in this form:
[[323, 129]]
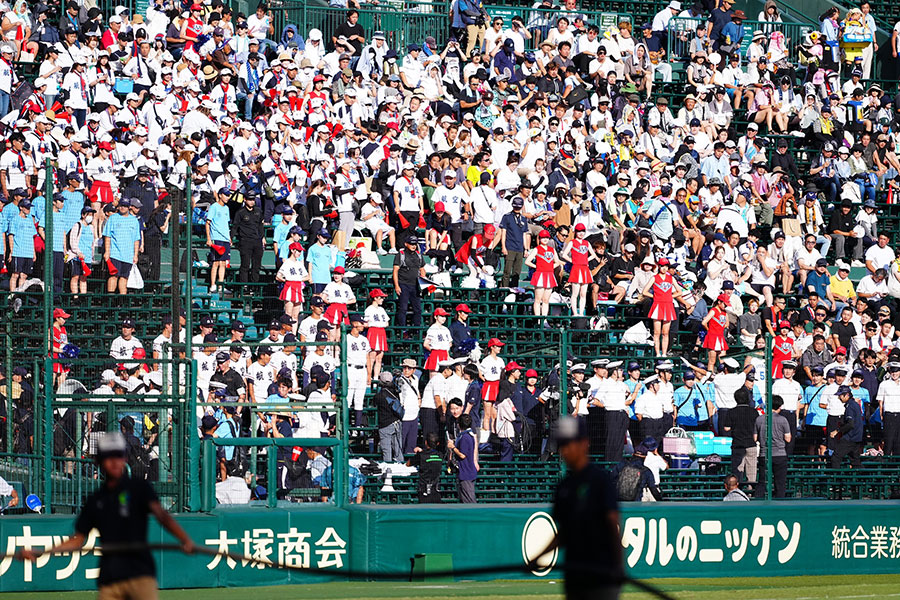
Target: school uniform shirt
[[357, 350], [726, 385], [283, 360], [260, 377], [649, 405], [8, 77], [790, 391], [454, 200], [410, 191], [308, 327], [339, 293], [16, 165], [325, 360], [889, 396], [436, 386], [492, 368], [77, 86], [122, 349]]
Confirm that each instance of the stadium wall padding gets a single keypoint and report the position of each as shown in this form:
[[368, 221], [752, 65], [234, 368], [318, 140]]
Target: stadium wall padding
[[660, 540]]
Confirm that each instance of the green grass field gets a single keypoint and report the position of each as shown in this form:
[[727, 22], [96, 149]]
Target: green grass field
[[744, 588]]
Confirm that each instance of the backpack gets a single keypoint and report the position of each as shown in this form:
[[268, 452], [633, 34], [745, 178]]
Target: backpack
[[628, 483]]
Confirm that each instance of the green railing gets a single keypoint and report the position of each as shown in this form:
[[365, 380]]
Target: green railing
[[77, 411], [338, 461], [403, 23], [538, 21], [683, 30]]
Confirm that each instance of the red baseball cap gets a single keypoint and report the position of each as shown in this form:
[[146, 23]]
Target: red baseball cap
[[840, 350], [438, 207], [104, 146], [495, 342], [339, 271], [663, 262], [463, 308], [512, 366], [296, 246], [58, 312], [544, 234], [318, 78], [784, 324], [580, 227], [531, 373], [724, 298], [377, 293], [139, 353], [196, 7], [440, 312], [489, 230]]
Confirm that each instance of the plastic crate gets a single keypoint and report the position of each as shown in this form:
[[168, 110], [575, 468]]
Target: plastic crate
[[679, 461], [703, 435]]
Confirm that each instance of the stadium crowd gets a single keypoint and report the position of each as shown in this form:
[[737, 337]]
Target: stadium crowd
[[539, 146]]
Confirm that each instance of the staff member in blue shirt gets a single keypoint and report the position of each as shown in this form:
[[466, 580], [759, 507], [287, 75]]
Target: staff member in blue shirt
[[20, 241], [465, 449], [851, 430], [692, 404], [513, 229], [122, 240], [816, 416], [61, 227], [218, 238]]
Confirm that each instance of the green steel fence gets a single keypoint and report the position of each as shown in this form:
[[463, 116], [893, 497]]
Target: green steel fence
[[683, 30], [403, 23]]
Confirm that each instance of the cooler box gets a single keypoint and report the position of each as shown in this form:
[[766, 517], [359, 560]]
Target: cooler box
[[722, 446], [679, 461], [705, 447], [703, 435]]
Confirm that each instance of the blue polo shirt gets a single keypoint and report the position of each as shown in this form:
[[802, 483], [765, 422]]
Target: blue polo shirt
[[319, 259], [23, 231], [691, 405], [516, 226], [219, 219], [123, 231], [815, 414]]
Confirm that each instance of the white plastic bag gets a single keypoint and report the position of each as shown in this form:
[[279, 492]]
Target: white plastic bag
[[135, 281]]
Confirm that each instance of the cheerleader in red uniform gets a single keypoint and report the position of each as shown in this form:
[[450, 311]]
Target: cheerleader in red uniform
[[293, 274], [491, 368], [376, 320], [663, 290], [544, 260], [579, 253], [60, 339], [782, 348], [715, 322], [437, 342], [339, 296]]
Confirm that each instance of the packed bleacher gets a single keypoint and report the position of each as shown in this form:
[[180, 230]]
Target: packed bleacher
[[432, 230]]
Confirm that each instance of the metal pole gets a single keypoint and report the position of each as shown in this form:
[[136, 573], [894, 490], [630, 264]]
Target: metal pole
[[341, 460], [193, 440], [8, 447], [48, 254], [769, 416], [48, 433], [563, 387], [174, 244], [272, 474]]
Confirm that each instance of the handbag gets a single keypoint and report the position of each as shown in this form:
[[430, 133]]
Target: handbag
[[791, 227]]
